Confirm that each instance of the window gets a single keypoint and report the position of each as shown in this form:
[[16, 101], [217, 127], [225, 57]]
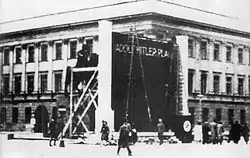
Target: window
[[192, 112], [218, 114], [73, 47], [228, 85], [203, 50], [18, 56], [6, 83], [3, 115], [18, 83], [249, 85], [240, 55], [27, 114], [216, 52], [58, 81], [89, 43], [190, 48], [205, 112], [230, 116], [229, 54], [249, 56], [6, 57], [44, 52], [240, 86], [242, 116], [14, 115], [31, 54], [190, 81], [30, 82], [58, 51], [203, 82], [216, 84], [43, 82]]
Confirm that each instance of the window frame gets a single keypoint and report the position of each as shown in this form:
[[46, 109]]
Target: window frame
[[6, 60], [204, 50], [227, 51], [43, 52], [203, 90], [216, 52], [70, 49], [191, 53], [16, 81], [58, 52], [58, 72], [43, 88], [15, 117], [240, 60], [6, 86], [240, 88], [31, 61], [27, 77], [230, 83], [18, 59]]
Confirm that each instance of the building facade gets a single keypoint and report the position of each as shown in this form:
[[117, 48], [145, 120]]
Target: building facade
[[35, 52]]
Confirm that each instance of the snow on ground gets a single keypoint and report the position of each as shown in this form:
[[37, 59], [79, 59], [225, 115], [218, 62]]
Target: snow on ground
[[40, 149]]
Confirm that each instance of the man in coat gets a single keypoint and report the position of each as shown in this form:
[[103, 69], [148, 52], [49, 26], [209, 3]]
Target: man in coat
[[105, 133], [53, 132], [124, 134], [160, 130], [220, 130], [245, 132]]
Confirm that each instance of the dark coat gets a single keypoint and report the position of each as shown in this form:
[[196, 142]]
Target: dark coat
[[245, 132], [160, 128], [236, 129], [105, 132], [53, 129], [124, 137]]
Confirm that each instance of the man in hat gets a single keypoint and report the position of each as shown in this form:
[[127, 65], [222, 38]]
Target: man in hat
[[124, 134], [53, 132], [160, 130]]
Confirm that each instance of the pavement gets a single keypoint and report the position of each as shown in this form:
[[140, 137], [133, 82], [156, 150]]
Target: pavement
[[17, 148]]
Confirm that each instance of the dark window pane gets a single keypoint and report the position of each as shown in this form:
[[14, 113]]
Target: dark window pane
[[43, 83], [190, 48], [229, 85], [216, 84], [18, 83], [240, 86], [6, 57], [18, 56], [58, 82], [30, 81], [44, 52], [203, 83], [205, 112], [31, 54], [58, 51], [27, 114], [218, 114], [73, 47], [230, 116], [240, 55], [229, 54], [3, 115], [216, 52], [203, 50], [14, 115], [190, 82], [6, 81]]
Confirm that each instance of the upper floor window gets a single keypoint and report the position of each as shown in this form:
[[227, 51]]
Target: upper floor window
[[228, 54], [6, 83], [190, 81], [216, 52], [203, 50], [249, 56], [203, 82], [18, 83], [58, 51], [89, 42], [249, 85], [73, 48], [58, 81], [240, 86], [216, 84], [240, 55], [18, 55], [30, 82], [43, 82], [218, 114], [31, 54], [228, 85], [190, 48], [3, 115], [6, 57], [44, 52]]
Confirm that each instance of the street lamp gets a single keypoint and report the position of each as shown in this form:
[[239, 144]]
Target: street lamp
[[200, 97]]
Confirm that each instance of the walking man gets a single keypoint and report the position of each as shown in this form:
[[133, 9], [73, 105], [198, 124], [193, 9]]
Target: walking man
[[160, 130], [53, 132], [105, 133], [124, 134]]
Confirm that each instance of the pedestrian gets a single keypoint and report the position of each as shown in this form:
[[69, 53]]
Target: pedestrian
[[213, 129], [105, 133], [53, 132], [123, 141], [160, 130], [220, 131], [197, 130], [245, 132], [236, 131], [205, 133], [134, 136], [32, 122]]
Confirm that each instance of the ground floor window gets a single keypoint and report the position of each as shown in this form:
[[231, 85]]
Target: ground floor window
[[192, 112], [15, 115], [218, 114], [242, 116], [205, 112], [3, 115], [27, 114], [230, 116]]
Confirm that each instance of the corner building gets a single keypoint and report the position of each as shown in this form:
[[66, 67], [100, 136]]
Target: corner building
[[35, 53]]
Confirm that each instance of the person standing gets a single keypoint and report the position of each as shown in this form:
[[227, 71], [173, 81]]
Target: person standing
[[53, 131], [33, 122], [213, 129], [124, 134], [220, 130], [198, 133], [205, 131], [236, 132], [134, 136], [160, 130], [105, 133], [245, 132]]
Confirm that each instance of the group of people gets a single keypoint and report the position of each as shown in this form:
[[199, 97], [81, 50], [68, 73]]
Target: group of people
[[213, 132]]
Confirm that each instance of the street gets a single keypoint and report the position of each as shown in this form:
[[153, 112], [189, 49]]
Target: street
[[40, 149]]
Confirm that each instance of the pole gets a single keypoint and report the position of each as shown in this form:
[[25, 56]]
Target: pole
[[71, 101]]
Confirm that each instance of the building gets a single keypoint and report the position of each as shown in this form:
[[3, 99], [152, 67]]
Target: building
[[35, 52]]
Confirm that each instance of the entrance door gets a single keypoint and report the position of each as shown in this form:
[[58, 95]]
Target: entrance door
[[42, 119]]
